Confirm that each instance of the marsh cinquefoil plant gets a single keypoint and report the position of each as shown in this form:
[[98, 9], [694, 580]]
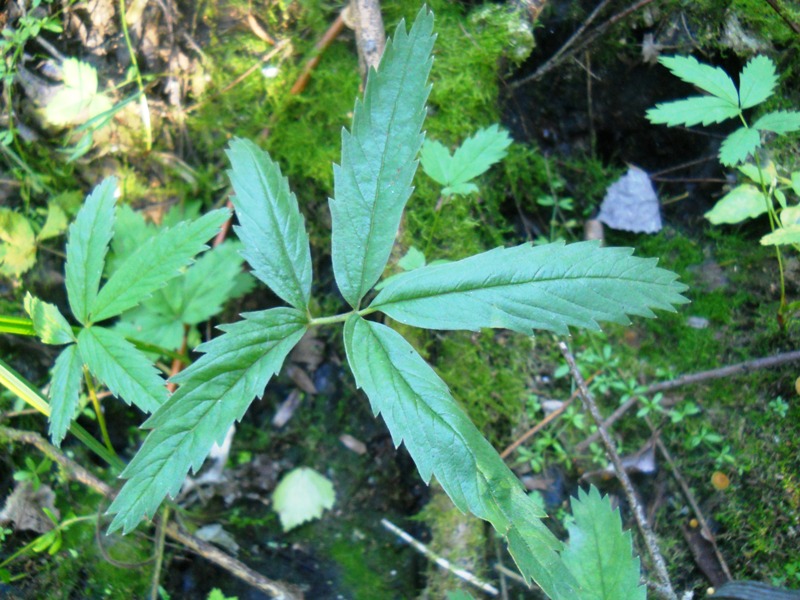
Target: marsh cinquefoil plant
[[522, 288], [764, 192]]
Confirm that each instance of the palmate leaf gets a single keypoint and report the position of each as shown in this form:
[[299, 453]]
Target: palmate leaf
[[479, 152], [215, 391], [713, 80], [270, 224], [87, 245], [691, 111], [153, 264], [373, 182], [757, 81], [599, 553], [64, 392], [124, 369], [532, 287], [420, 412]]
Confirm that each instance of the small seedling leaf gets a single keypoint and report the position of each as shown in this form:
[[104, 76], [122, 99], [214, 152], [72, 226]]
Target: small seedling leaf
[[301, 496], [215, 391], [436, 161], [713, 80], [152, 265], [691, 111], [478, 153], [739, 145], [48, 322], [599, 554], [780, 121], [270, 224], [373, 182], [420, 412], [18, 250], [87, 245], [55, 223], [532, 287], [124, 369], [65, 388], [77, 100], [757, 81], [741, 203]]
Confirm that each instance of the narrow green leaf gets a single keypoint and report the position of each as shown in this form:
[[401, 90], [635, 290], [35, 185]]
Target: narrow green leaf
[[215, 391], [780, 121], [532, 287], [270, 224], [743, 202], [599, 553], [152, 265], [739, 145], [373, 182], [711, 79], [122, 368], [55, 223], [691, 111], [478, 153], [436, 161], [212, 281], [420, 412], [757, 81], [89, 236], [48, 322], [65, 389]]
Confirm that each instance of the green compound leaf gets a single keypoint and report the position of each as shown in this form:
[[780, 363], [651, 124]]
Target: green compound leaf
[[599, 553], [780, 122], [757, 81], [48, 322], [153, 264], [525, 288], [739, 145], [89, 236], [18, 248], [713, 80], [694, 110], [215, 391], [77, 100], [478, 153], [373, 182], [270, 224], [65, 389], [420, 412], [301, 496], [474, 157], [743, 202], [122, 368]]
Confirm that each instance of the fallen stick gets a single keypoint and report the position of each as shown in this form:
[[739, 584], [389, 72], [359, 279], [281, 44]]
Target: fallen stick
[[737, 369]]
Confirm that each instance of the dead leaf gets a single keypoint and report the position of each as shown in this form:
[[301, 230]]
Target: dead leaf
[[24, 508], [631, 204]]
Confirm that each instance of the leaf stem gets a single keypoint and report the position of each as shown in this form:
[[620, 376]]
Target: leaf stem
[[97, 409], [340, 318], [161, 533], [148, 134], [774, 223]]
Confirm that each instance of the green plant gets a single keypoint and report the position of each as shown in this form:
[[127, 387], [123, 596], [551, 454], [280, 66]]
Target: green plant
[[765, 194], [33, 471], [522, 288]]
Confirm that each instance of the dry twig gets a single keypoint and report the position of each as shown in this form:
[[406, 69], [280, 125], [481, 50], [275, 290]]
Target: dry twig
[[638, 513], [276, 589]]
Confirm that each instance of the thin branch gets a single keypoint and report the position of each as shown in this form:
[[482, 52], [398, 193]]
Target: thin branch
[[737, 369], [327, 39], [442, 562], [278, 590], [690, 498], [622, 475]]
